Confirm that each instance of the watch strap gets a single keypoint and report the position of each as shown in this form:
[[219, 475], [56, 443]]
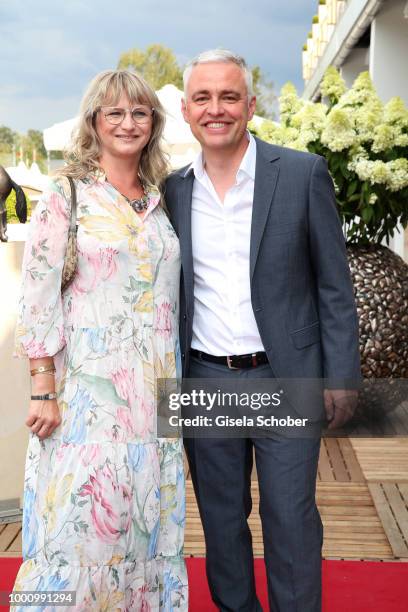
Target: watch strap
[[46, 396]]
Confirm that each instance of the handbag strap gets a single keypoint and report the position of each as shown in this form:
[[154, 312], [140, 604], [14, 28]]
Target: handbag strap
[[73, 222]]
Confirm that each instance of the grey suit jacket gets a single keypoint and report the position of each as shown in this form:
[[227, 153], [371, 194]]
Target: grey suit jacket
[[301, 292]]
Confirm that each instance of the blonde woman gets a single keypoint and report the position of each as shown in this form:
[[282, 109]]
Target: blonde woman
[[104, 497]]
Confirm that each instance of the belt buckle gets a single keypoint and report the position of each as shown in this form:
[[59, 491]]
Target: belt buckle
[[231, 367]]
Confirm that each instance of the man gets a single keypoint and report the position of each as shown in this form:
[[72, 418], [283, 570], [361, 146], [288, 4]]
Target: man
[[266, 291]]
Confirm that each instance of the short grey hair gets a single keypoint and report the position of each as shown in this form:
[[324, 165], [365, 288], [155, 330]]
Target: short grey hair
[[219, 56]]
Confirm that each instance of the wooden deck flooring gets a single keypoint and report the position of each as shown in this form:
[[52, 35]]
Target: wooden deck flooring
[[362, 494]]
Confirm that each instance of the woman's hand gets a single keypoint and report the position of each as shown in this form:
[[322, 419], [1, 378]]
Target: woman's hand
[[43, 417]]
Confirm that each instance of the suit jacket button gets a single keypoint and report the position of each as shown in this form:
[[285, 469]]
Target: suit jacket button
[[183, 355], [185, 317]]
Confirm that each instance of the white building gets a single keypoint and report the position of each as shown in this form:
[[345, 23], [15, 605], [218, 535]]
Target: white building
[[359, 35]]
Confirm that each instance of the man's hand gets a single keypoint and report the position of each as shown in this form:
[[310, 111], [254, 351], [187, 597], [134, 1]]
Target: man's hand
[[340, 406], [43, 417]]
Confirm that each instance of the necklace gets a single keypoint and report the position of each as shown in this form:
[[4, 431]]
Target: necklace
[[139, 204]]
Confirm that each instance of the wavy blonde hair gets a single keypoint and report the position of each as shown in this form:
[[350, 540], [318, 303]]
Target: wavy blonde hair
[[106, 89]]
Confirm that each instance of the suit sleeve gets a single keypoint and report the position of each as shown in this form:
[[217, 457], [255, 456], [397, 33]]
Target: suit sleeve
[[335, 294]]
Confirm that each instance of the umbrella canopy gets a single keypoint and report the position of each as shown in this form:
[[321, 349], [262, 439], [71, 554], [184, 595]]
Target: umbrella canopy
[[32, 178], [58, 136]]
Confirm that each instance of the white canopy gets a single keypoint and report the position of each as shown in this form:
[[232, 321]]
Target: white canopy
[[57, 137], [32, 178]]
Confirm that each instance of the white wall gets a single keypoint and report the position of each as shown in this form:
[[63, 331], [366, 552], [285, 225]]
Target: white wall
[[14, 378], [356, 62], [389, 69], [389, 51]]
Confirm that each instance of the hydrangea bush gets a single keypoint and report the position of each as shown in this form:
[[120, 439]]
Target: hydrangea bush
[[365, 143]]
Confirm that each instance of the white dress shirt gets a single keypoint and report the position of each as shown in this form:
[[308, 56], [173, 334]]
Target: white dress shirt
[[224, 322]]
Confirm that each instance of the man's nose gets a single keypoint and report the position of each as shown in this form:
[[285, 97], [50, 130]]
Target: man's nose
[[215, 107]]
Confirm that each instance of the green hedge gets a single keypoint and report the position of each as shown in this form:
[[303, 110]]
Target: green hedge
[[11, 208]]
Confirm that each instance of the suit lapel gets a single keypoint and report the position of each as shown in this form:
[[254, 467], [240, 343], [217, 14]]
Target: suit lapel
[[184, 205], [266, 176]]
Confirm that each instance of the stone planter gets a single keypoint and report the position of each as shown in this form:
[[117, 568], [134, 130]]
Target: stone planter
[[380, 279]]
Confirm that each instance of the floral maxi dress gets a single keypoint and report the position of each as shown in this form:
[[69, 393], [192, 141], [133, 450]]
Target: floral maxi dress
[[104, 496]]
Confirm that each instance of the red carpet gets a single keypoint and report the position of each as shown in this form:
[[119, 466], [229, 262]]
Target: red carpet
[[348, 586]]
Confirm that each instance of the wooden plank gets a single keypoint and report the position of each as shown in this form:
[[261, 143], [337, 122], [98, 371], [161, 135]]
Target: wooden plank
[[336, 460], [17, 544], [10, 554], [325, 471], [403, 488], [8, 535], [350, 459], [382, 459], [386, 516], [365, 512], [187, 474], [398, 508]]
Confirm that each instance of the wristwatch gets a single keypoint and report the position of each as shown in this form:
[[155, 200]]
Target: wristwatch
[[46, 396]]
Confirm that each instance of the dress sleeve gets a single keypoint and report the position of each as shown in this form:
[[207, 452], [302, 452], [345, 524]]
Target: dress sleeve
[[40, 322]]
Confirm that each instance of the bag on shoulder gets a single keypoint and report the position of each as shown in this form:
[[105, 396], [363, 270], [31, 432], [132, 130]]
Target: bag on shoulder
[[71, 254]]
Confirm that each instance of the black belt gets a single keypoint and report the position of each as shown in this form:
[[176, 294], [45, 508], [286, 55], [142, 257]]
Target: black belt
[[234, 362]]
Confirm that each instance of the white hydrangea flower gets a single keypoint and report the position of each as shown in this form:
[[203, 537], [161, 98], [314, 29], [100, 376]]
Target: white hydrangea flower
[[289, 102], [310, 120], [384, 138], [373, 171], [397, 174], [338, 133], [401, 140], [395, 112], [333, 85]]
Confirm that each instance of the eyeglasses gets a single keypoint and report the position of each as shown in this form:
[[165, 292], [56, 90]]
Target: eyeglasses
[[115, 116]]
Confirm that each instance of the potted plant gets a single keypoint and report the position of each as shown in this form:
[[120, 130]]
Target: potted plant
[[365, 144]]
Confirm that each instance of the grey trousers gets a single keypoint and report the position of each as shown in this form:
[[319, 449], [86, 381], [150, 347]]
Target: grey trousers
[[291, 525]]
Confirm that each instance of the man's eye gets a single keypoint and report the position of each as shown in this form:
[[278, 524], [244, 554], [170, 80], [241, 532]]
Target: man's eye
[[231, 99], [201, 100]]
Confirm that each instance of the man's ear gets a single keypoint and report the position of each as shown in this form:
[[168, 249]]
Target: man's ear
[[251, 107], [184, 110]]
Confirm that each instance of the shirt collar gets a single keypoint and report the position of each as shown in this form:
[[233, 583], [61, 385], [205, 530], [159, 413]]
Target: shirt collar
[[246, 167]]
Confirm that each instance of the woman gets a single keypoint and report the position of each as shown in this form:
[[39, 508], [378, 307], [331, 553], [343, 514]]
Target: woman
[[104, 498]]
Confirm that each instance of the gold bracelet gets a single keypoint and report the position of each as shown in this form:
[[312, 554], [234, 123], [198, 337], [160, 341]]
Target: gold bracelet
[[43, 370]]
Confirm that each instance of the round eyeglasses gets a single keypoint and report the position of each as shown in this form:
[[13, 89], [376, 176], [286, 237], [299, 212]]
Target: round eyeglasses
[[115, 116]]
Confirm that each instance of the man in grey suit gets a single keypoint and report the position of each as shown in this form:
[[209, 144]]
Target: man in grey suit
[[265, 293]]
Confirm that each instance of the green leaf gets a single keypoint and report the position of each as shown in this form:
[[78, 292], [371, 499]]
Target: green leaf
[[352, 188], [367, 214], [102, 389]]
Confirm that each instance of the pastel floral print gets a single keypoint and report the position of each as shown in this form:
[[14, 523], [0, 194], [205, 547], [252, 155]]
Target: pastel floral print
[[104, 503]]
